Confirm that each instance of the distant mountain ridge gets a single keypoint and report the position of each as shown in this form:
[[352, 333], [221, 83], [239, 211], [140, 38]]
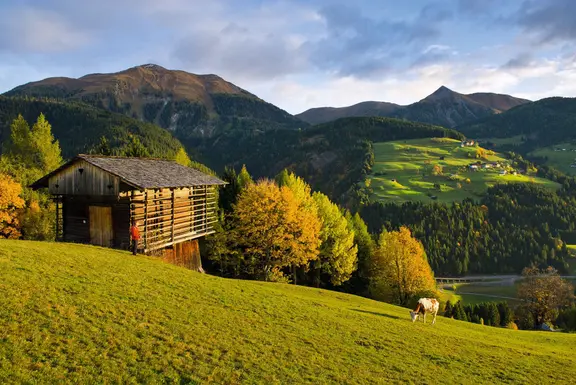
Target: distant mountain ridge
[[188, 104], [443, 107]]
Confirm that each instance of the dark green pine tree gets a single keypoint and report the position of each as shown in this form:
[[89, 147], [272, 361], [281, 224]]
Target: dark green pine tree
[[448, 309], [229, 193], [506, 315]]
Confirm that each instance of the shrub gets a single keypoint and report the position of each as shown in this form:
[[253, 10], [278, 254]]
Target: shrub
[[512, 326], [567, 319]]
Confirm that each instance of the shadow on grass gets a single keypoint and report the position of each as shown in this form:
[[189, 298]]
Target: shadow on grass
[[374, 313]]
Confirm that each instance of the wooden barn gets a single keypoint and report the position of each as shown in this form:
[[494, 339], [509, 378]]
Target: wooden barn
[[97, 197]]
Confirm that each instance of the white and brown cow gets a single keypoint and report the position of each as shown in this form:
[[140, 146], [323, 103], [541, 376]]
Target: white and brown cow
[[425, 305]]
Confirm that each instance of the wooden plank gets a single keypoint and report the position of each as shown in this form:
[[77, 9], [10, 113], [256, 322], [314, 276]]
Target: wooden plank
[[172, 219], [101, 228]]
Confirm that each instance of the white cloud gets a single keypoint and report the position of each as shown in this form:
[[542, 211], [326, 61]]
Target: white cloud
[[543, 78], [40, 31]]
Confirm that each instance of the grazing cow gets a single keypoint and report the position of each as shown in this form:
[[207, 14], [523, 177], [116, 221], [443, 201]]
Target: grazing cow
[[425, 305]]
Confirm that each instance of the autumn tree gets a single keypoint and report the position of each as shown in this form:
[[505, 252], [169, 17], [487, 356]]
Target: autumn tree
[[29, 154], [244, 177], [271, 231], [182, 158], [437, 170], [480, 153], [400, 269], [10, 203], [543, 292], [338, 253], [303, 196]]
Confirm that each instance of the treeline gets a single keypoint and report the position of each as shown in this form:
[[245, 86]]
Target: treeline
[[513, 226], [80, 128], [541, 123], [497, 314], [280, 230], [331, 157], [545, 301]]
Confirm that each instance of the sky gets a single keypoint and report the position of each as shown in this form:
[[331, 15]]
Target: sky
[[299, 54]]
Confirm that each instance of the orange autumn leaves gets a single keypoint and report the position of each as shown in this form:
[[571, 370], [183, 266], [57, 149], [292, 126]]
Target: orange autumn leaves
[[10, 203], [400, 269], [272, 226]]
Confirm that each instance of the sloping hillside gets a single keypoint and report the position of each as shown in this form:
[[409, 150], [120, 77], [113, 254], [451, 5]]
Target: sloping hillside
[[404, 171], [85, 314], [330, 156], [443, 107], [78, 127], [188, 104], [546, 122]]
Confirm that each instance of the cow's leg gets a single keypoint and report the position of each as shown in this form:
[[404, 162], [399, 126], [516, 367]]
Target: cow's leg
[[424, 317], [434, 320]]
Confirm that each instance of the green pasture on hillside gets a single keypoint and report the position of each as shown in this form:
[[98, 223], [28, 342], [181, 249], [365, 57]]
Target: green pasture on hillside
[[403, 171], [84, 314], [562, 159], [471, 294]]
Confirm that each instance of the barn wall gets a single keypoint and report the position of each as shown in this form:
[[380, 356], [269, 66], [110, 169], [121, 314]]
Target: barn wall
[[76, 219], [91, 181], [172, 216], [184, 254]]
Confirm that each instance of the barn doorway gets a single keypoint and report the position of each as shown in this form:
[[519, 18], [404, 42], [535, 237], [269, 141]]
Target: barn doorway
[[101, 231]]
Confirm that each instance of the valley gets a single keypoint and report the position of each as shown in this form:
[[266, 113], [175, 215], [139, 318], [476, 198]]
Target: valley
[[440, 169], [561, 156]]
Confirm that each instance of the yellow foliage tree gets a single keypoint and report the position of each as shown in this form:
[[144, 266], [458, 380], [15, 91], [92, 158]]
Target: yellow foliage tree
[[437, 170], [399, 268], [182, 158], [272, 231], [10, 203]]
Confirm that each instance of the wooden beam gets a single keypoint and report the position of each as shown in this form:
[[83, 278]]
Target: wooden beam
[[172, 218], [146, 219]]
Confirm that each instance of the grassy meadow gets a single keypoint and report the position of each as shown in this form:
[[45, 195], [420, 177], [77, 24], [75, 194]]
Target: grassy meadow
[[403, 171], [84, 314], [470, 293], [559, 159]]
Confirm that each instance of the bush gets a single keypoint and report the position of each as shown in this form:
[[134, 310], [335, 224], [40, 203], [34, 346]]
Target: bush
[[512, 326], [525, 319], [566, 319]]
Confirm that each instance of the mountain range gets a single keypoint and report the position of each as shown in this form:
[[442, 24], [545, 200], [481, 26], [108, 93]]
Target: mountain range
[[222, 124], [187, 104], [444, 107]]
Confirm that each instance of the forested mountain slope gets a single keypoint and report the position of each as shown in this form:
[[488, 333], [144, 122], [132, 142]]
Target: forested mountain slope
[[79, 127], [332, 157], [190, 105], [539, 124]]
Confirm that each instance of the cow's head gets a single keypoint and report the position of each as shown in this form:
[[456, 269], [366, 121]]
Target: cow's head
[[413, 315]]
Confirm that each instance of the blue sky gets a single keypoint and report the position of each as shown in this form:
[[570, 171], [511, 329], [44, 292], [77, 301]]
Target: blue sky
[[300, 54]]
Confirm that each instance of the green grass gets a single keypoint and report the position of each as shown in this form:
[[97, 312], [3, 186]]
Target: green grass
[[559, 159], [84, 314], [402, 172], [471, 294]]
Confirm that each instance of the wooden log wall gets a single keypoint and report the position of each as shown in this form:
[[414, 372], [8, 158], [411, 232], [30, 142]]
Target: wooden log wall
[[171, 216], [185, 254], [83, 178], [76, 219]]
